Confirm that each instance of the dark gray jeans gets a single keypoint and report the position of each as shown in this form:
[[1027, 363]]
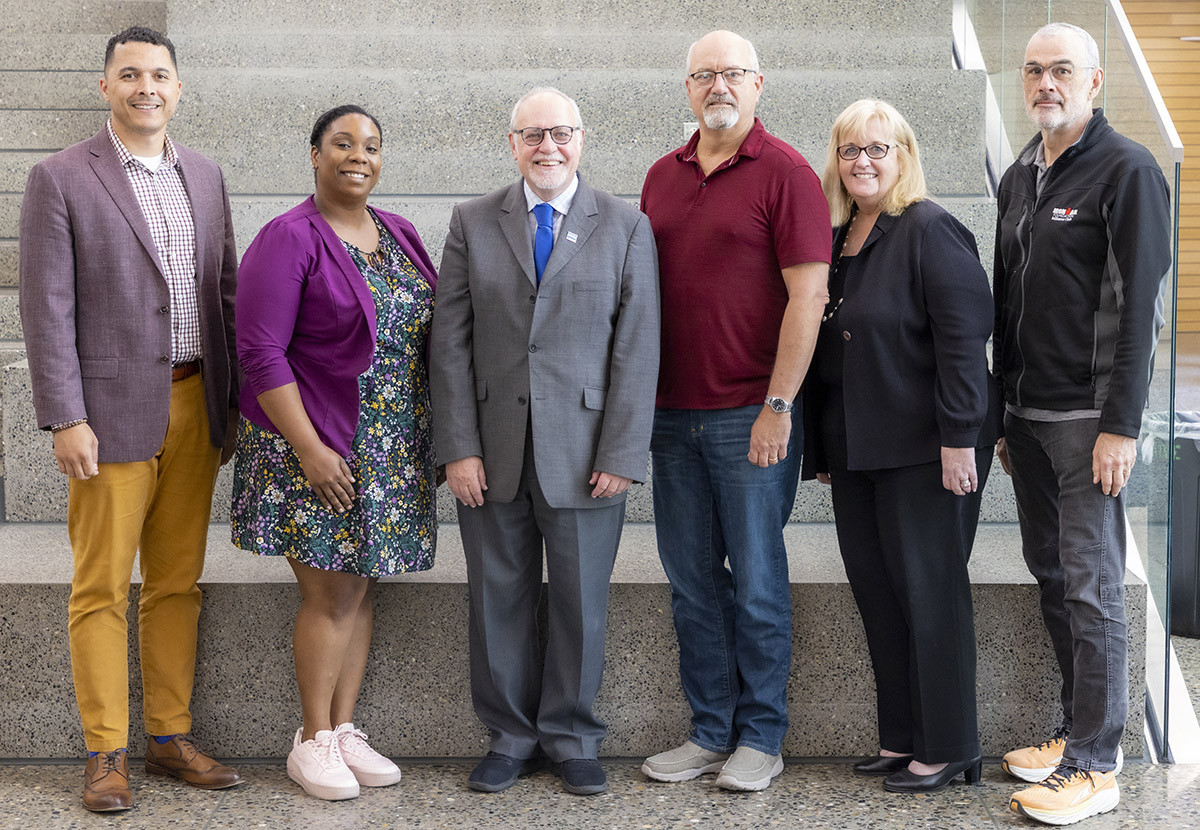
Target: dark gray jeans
[[1073, 537]]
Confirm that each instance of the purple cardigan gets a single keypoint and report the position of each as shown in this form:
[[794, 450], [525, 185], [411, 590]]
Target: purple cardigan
[[305, 315]]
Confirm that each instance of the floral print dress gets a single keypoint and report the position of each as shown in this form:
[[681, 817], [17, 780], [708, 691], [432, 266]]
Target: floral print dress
[[391, 527]]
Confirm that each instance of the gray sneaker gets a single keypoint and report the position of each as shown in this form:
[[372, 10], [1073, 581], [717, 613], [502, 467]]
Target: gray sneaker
[[749, 769], [683, 763]]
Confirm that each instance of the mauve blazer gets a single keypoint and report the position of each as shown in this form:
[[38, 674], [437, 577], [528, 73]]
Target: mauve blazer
[[95, 306], [305, 315]]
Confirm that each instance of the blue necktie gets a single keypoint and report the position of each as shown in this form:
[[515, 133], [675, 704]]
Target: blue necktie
[[543, 239]]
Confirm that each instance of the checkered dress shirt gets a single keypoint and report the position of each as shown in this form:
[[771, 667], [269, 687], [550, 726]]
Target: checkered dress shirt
[[164, 203]]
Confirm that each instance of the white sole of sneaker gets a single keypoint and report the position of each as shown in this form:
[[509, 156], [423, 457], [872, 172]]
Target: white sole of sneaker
[[377, 779], [729, 782], [326, 793], [1099, 803], [682, 775], [1033, 776]]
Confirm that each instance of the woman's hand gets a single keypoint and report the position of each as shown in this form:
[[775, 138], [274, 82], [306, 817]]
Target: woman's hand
[[958, 470], [329, 476]]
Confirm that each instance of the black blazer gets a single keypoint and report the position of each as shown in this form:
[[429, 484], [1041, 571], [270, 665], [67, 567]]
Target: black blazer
[[915, 320]]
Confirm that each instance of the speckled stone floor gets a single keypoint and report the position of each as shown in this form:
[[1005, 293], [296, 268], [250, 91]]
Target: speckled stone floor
[[435, 796]]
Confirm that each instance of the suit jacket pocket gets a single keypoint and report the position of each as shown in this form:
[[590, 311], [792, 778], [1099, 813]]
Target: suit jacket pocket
[[593, 397], [481, 389], [98, 367]]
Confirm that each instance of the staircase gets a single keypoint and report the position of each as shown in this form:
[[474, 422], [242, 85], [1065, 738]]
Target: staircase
[[442, 77]]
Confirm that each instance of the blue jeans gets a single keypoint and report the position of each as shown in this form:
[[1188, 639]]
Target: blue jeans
[[1073, 538], [719, 521]]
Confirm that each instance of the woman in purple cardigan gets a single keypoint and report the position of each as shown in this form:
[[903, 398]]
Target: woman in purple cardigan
[[335, 460]]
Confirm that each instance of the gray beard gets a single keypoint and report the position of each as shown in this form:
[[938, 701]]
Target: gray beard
[[721, 120]]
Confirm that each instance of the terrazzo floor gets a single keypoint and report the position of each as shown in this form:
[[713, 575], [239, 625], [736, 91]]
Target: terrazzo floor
[[435, 796]]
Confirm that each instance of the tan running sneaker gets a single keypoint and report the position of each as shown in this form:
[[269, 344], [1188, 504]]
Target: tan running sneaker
[[1035, 763], [1067, 796]]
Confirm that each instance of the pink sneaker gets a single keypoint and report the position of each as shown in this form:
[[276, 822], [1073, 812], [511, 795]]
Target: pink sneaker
[[318, 767], [369, 767]]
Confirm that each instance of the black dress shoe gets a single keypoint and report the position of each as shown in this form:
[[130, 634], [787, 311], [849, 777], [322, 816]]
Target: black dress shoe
[[497, 772], [909, 782], [583, 776], [881, 765]]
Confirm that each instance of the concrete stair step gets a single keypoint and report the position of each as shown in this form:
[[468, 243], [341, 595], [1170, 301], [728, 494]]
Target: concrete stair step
[[219, 18], [416, 703], [450, 133]]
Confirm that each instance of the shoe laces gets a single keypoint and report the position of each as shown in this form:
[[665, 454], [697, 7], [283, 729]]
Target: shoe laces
[[1062, 776], [353, 740], [111, 760], [1060, 734], [328, 753]]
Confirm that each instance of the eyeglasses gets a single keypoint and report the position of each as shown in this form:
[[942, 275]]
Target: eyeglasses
[[733, 77], [1061, 72], [559, 135], [850, 152]]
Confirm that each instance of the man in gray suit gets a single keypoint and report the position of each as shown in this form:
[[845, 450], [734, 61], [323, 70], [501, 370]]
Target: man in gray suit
[[544, 360], [128, 273]]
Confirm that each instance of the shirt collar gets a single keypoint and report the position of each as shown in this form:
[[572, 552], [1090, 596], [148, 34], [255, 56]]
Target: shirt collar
[[750, 148], [170, 157], [561, 203]]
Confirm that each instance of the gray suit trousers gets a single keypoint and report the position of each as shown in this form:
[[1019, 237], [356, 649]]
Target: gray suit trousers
[[523, 701]]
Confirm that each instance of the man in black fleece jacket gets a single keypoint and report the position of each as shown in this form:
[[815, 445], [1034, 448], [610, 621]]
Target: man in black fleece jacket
[[1082, 256]]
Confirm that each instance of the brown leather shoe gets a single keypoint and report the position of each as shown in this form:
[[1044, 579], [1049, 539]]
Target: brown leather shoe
[[106, 782], [179, 758]]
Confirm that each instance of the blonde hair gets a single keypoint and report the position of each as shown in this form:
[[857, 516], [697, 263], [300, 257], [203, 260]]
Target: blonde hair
[[854, 121]]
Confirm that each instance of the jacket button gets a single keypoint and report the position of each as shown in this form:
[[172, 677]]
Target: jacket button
[[521, 400], [845, 335], [533, 348], [164, 309], [164, 359], [533, 298]]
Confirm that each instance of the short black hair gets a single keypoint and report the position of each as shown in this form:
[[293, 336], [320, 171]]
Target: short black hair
[[322, 126], [139, 34]]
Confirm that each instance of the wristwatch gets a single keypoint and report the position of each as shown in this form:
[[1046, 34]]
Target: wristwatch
[[778, 404]]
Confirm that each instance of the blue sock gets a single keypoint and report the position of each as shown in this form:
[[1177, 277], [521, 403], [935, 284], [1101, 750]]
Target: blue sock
[[162, 739], [94, 754]]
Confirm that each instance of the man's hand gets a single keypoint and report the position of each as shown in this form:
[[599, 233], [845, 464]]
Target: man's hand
[[1002, 454], [231, 431], [329, 476], [467, 480], [77, 451], [607, 485], [1113, 458], [769, 437]]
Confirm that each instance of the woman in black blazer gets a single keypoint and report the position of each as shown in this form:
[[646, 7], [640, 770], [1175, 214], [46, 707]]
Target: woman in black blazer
[[900, 419]]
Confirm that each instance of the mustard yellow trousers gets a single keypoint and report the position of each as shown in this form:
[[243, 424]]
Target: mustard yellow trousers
[[160, 507]]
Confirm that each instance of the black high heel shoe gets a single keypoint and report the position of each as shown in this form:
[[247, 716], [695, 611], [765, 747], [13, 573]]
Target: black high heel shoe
[[881, 764], [905, 781]]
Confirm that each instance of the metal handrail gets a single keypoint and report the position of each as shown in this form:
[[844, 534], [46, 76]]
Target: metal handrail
[[1162, 118]]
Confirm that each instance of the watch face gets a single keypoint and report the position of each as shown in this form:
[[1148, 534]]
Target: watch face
[[778, 404]]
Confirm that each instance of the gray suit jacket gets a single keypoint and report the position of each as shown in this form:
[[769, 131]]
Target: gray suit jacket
[[95, 306], [579, 354]]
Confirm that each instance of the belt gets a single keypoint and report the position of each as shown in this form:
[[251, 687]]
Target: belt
[[184, 370]]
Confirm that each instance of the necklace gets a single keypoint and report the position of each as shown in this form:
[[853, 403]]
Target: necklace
[[825, 318]]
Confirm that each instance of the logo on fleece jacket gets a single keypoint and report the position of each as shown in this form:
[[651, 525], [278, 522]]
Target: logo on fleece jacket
[[1063, 214]]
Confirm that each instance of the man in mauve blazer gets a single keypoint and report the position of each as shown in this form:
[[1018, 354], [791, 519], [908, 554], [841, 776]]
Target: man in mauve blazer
[[128, 274], [544, 361]]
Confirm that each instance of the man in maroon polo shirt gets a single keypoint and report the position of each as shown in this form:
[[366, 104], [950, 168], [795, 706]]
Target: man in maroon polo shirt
[[743, 239]]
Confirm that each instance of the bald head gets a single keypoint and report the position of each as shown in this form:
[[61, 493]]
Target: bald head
[[724, 40]]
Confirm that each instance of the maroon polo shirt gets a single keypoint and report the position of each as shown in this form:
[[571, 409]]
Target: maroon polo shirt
[[723, 240]]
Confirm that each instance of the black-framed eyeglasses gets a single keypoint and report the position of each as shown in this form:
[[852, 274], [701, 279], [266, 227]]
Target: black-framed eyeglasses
[[1061, 72], [559, 135], [732, 76], [850, 152]]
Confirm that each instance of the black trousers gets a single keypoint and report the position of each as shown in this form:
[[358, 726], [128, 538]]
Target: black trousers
[[905, 541]]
